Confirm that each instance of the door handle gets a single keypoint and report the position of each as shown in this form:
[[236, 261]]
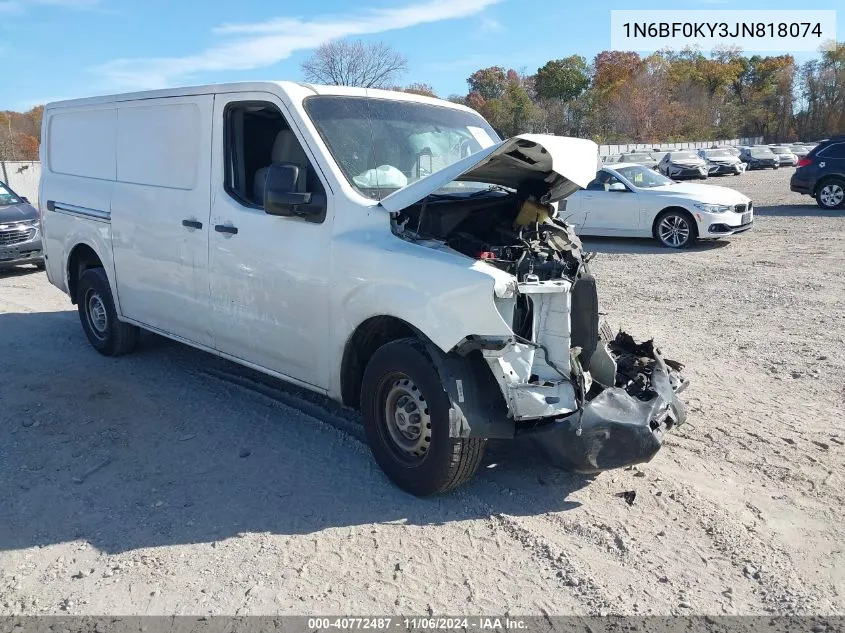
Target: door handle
[[192, 224], [226, 228]]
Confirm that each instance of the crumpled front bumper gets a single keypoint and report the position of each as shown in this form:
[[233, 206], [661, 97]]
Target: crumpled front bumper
[[614, 429]]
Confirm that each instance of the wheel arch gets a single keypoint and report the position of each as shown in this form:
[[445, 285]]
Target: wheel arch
[[81, 257], [676, 208], [362, 344], [821, 182]]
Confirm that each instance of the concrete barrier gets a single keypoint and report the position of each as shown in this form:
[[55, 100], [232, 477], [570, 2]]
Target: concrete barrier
[[624, 148]]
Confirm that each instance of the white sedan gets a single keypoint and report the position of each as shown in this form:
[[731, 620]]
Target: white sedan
[[629, 200]]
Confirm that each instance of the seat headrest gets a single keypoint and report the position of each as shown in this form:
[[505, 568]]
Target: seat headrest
[[286, 149]]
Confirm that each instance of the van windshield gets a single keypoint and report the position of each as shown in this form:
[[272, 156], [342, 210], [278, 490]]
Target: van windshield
[[382, 145]]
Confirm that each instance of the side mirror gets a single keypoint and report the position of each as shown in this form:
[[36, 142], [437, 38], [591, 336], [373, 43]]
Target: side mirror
[[25, 199], [282, 198], [617, 186]]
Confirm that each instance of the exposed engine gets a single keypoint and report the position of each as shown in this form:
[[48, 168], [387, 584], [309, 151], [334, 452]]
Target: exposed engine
[[507, 230], [635, 364]]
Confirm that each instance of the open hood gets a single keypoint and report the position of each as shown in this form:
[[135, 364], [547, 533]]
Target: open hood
[[549, 167]]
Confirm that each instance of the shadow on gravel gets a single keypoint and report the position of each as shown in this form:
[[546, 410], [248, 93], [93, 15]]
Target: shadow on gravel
[[799, 211], [641, 246], [171, 445], [17, 271]]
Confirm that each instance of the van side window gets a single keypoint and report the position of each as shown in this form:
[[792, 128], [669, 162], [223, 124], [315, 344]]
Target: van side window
[[257, 136]]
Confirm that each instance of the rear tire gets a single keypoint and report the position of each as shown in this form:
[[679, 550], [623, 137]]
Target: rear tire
[[831, 194], [406, 417], [107, 334]]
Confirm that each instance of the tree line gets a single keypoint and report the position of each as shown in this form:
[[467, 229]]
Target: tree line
[[668, 96], [617, 97]]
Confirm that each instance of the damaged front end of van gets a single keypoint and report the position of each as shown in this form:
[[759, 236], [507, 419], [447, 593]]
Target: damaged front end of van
[[589, 399]]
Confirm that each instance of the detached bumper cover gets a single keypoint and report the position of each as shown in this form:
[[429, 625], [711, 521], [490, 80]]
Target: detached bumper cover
[[614, 429]]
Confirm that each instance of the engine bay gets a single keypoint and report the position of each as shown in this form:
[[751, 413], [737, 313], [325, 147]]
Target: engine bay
[[508, 230]]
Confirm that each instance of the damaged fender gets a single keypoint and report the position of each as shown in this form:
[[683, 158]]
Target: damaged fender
[[615, 429]]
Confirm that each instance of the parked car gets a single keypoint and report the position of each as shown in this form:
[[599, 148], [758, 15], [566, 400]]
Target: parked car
[[734, 150], [384, 249], [785, 155], [640, 158], [658, 155], [628, 200], [759, 158], [799, 150], [20, 233], [683, 164], [821, 174], [721, 162]]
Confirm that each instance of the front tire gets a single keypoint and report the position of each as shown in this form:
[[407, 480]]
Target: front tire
[[831, 194], [406, 418], [675, 229], [107, 334]]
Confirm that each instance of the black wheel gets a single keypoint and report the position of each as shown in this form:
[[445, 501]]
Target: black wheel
[[105, 332], [406, 418], [675, 229], [831, 194]]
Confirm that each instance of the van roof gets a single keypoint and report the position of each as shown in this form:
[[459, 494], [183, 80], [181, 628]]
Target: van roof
[[298, 90]]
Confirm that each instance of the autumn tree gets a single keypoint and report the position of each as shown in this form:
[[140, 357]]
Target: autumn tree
[[557, 85], [489, 83], [355, 63], [20, 134], [421, 89], [562, 79]]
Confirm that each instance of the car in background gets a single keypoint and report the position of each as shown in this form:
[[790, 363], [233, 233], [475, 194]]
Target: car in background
[[613, 158], [629, 200], [721, 162], [733, 149], [821, 174], [683, 164], [658, 154], [785, 155], [639, 158], [799, 149], [759, 157], [20, 231]]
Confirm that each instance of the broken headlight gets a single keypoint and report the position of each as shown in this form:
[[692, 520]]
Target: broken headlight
[[713, 208]]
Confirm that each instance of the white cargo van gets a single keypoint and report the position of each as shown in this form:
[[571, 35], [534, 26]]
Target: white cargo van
[[385, 249]]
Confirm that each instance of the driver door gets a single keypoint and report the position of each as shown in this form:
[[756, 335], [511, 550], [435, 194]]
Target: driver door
[[269, 275], [609, 207]]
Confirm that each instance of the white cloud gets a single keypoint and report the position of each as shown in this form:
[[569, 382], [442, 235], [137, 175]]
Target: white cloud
[[262, 44], [487, 27]]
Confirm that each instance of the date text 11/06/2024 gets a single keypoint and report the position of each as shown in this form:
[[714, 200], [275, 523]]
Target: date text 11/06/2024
[[416, 624]]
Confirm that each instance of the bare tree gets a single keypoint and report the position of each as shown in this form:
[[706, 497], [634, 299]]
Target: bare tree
[[355, 63]]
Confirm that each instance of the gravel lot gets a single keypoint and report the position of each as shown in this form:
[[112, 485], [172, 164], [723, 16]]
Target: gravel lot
[[169, 481]]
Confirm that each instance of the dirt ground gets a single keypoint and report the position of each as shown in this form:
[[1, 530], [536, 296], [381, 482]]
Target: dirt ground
[[171, 482]]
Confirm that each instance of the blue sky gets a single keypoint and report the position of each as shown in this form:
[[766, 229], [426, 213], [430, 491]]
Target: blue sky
[[56, 49]]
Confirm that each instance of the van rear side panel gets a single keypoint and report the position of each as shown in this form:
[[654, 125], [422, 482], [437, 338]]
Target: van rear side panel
[[78, 170]]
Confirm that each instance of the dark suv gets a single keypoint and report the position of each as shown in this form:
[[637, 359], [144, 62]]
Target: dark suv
[[821, 174], [20, 233]]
